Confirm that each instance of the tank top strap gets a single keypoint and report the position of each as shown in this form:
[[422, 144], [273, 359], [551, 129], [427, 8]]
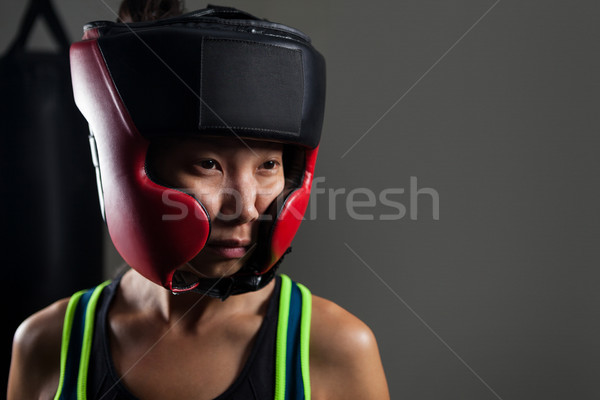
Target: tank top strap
[[292, 376], [76, 343]]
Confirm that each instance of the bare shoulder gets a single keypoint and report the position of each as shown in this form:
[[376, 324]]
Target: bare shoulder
[[345, 361], [337, 334], [35, 363]]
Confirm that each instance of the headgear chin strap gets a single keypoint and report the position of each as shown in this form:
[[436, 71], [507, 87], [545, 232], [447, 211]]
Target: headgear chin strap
[[217, 72]]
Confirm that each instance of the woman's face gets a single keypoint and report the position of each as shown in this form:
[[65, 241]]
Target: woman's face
[[236, 180]]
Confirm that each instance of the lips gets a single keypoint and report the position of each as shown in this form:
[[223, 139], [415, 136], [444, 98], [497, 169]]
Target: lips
[[231, 248]]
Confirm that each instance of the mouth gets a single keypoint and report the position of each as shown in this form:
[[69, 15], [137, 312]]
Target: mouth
[[229, 248]]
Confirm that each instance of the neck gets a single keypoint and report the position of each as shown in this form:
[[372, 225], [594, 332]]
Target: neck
[[188, 309]]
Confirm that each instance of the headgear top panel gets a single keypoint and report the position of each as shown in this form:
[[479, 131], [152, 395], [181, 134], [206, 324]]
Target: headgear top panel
[[216, 72]]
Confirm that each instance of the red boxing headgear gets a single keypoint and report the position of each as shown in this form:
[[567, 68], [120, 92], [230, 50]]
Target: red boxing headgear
[[217, 71]]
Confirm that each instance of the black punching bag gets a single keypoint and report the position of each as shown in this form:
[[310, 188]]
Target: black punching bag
[[51, 224]]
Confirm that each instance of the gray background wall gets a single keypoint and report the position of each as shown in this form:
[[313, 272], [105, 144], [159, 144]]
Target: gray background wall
[[494, 105]]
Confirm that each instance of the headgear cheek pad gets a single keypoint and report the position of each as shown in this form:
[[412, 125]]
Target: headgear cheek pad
[[213, 72]]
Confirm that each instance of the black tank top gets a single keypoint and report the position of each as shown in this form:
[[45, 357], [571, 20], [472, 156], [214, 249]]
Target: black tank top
[[277, 368], [256, 380]]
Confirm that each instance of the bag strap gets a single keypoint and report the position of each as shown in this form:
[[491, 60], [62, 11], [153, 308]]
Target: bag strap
[[46, 10]]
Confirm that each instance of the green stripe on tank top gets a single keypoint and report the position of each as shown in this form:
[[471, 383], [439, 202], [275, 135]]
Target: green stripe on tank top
[[66, 337], [305, 337], [86, 340], [282, 334], [86, 347], [281, 341]]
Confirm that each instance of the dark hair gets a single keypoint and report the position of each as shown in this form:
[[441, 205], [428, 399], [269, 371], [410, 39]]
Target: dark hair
[[149, 10]]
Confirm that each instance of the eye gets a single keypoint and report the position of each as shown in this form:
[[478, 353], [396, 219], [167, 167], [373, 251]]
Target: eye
[[208, 164], [271, 164]]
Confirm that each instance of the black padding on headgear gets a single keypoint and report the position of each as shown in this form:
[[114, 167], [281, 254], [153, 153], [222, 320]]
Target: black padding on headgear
[[257, 86], [200, 74], [224, 12]]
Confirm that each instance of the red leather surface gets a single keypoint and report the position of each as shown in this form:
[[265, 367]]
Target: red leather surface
[[292, 212]]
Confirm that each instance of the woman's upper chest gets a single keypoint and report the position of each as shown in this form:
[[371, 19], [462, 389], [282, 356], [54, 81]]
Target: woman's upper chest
[[158, 362]]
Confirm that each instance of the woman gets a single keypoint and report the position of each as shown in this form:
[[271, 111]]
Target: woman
[[205, 135]]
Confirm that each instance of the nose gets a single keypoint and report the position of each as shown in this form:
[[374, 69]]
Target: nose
[[238, 201]]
